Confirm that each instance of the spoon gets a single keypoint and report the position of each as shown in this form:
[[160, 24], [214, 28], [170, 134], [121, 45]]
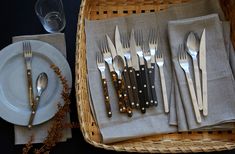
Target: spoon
[[192, 44], [41, 85], [118, 65]]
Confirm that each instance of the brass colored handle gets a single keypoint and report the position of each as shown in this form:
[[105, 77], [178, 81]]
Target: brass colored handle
[[33, 112], [30, 87], [106, 98], [118, 87]]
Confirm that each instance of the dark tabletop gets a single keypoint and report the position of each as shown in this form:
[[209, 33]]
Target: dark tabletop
[[17, 17]]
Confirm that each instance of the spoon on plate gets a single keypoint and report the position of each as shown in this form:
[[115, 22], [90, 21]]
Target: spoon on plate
[[41, 84]]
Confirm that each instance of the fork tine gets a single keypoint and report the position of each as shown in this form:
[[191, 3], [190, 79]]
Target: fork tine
[[29, 47]]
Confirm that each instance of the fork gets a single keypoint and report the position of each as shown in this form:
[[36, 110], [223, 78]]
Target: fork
[[131, 71], [143, 73], [184, 64], [27, 52], [160, 63], [101, 66]]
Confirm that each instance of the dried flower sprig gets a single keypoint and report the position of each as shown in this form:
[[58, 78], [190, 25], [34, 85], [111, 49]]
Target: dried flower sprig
[[55, 131]]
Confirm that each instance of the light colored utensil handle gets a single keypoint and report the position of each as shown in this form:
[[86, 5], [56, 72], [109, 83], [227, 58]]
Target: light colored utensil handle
[[204, 93], [193, 97], [33, 112], [198, 83], [164, 92]]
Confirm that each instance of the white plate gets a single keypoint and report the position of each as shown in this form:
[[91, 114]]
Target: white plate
[[14, 106]]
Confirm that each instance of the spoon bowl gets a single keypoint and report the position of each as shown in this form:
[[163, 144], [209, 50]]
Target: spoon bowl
[[41, 84]]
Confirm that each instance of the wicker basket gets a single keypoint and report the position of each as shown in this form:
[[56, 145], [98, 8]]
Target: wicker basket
[[164, 143]]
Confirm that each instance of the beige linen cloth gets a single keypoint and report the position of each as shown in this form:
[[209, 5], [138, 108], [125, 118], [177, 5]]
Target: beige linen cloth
[[221, 84], [23, 134]]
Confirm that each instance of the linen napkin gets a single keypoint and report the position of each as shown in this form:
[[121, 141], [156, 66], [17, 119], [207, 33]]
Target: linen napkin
[[23, 134], [120, 127], [221, 85]]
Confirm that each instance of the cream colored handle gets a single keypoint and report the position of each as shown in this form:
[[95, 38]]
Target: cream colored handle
[[204, 93], [164, 92], [193, 97], [198, 83]]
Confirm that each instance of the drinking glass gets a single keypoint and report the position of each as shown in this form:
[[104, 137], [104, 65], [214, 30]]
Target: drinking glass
[[51, 15]]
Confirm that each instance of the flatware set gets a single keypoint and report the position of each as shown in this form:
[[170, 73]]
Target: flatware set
[[132, 69]]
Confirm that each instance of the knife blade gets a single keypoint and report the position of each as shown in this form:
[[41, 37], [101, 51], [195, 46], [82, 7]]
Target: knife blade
[[202, 65], [111, 47], [134, 57], [118, 44]]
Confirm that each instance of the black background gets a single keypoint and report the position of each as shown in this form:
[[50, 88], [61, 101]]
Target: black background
[[17, 17]]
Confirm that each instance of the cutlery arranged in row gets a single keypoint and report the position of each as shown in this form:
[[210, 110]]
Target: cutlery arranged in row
[[132, 69]]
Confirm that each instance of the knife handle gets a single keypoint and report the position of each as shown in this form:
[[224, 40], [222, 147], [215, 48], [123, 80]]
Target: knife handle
[[33, 112], [204, 92], [106, 98], [118, 87], [30, 87], [151, 72], [140, 92], [134, 86], [198, 83], [128, 86], [144, 77], [126, 101]]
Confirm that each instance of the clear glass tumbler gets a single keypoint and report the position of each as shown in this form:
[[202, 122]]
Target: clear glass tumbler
[[51, 15]]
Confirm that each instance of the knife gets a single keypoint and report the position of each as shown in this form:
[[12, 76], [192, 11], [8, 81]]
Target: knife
[[135, 64], [127, 81], [117, 81], [202, 65]]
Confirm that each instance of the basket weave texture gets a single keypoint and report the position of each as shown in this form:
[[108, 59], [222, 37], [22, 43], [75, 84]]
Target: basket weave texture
[[164, 143]]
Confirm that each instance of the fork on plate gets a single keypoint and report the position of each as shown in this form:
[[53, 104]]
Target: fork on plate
[[101, 66], [27, 53], [184, 64]]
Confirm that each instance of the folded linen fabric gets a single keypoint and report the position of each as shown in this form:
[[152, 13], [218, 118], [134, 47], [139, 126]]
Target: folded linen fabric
[[221, 85], [39, 132]]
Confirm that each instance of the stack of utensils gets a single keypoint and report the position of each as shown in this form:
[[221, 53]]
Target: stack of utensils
[[170, 71], [132, 68]]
